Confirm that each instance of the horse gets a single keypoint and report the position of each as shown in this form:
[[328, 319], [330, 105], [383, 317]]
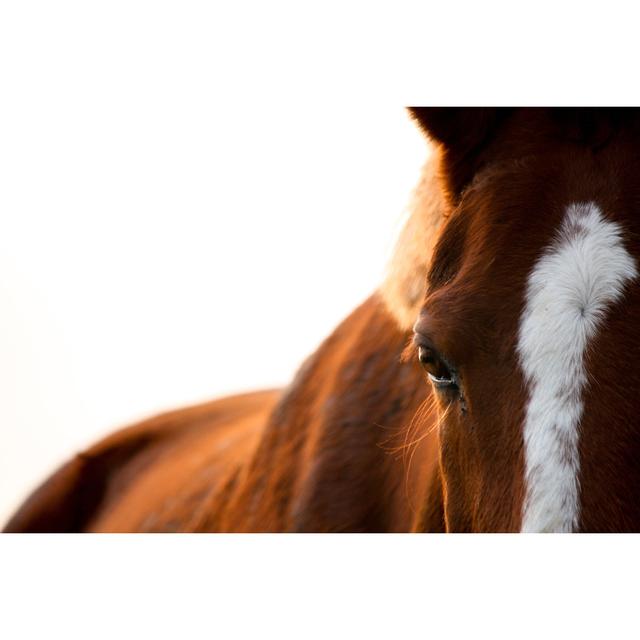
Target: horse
[[490, 384]]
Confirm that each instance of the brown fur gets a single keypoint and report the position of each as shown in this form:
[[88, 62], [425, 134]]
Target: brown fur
[[360, 441], [328, 454]]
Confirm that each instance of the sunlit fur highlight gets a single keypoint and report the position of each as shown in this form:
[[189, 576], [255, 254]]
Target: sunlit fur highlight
[[403, 288]]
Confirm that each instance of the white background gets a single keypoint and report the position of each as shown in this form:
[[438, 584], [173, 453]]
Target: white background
[[165, 237]]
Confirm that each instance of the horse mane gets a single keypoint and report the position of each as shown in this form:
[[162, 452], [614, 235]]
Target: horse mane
[[404, 285]]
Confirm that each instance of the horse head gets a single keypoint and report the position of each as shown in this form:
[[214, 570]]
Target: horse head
[[528, 330]]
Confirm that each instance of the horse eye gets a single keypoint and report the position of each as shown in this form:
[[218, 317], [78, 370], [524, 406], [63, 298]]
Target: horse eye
[[438, 372]]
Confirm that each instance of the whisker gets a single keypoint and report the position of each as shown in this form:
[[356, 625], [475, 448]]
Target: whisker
[[404, 430], [434, 426]]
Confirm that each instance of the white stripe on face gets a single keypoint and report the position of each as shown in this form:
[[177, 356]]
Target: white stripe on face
[[571, 287]]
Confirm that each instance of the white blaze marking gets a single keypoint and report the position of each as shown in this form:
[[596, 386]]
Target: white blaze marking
[[571, 287]]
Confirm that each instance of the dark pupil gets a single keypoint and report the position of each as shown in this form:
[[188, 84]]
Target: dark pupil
[[432, 364]]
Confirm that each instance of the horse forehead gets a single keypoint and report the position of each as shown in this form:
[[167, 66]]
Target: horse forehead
[[578, 278], [479, 270]]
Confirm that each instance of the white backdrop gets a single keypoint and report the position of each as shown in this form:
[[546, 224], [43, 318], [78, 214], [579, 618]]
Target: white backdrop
[[168, 235]]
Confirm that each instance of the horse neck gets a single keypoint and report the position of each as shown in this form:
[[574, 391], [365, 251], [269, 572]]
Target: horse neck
[[342, 451]]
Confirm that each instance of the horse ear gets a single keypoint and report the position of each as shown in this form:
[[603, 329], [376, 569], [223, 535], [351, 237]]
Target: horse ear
[[463, 133]]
